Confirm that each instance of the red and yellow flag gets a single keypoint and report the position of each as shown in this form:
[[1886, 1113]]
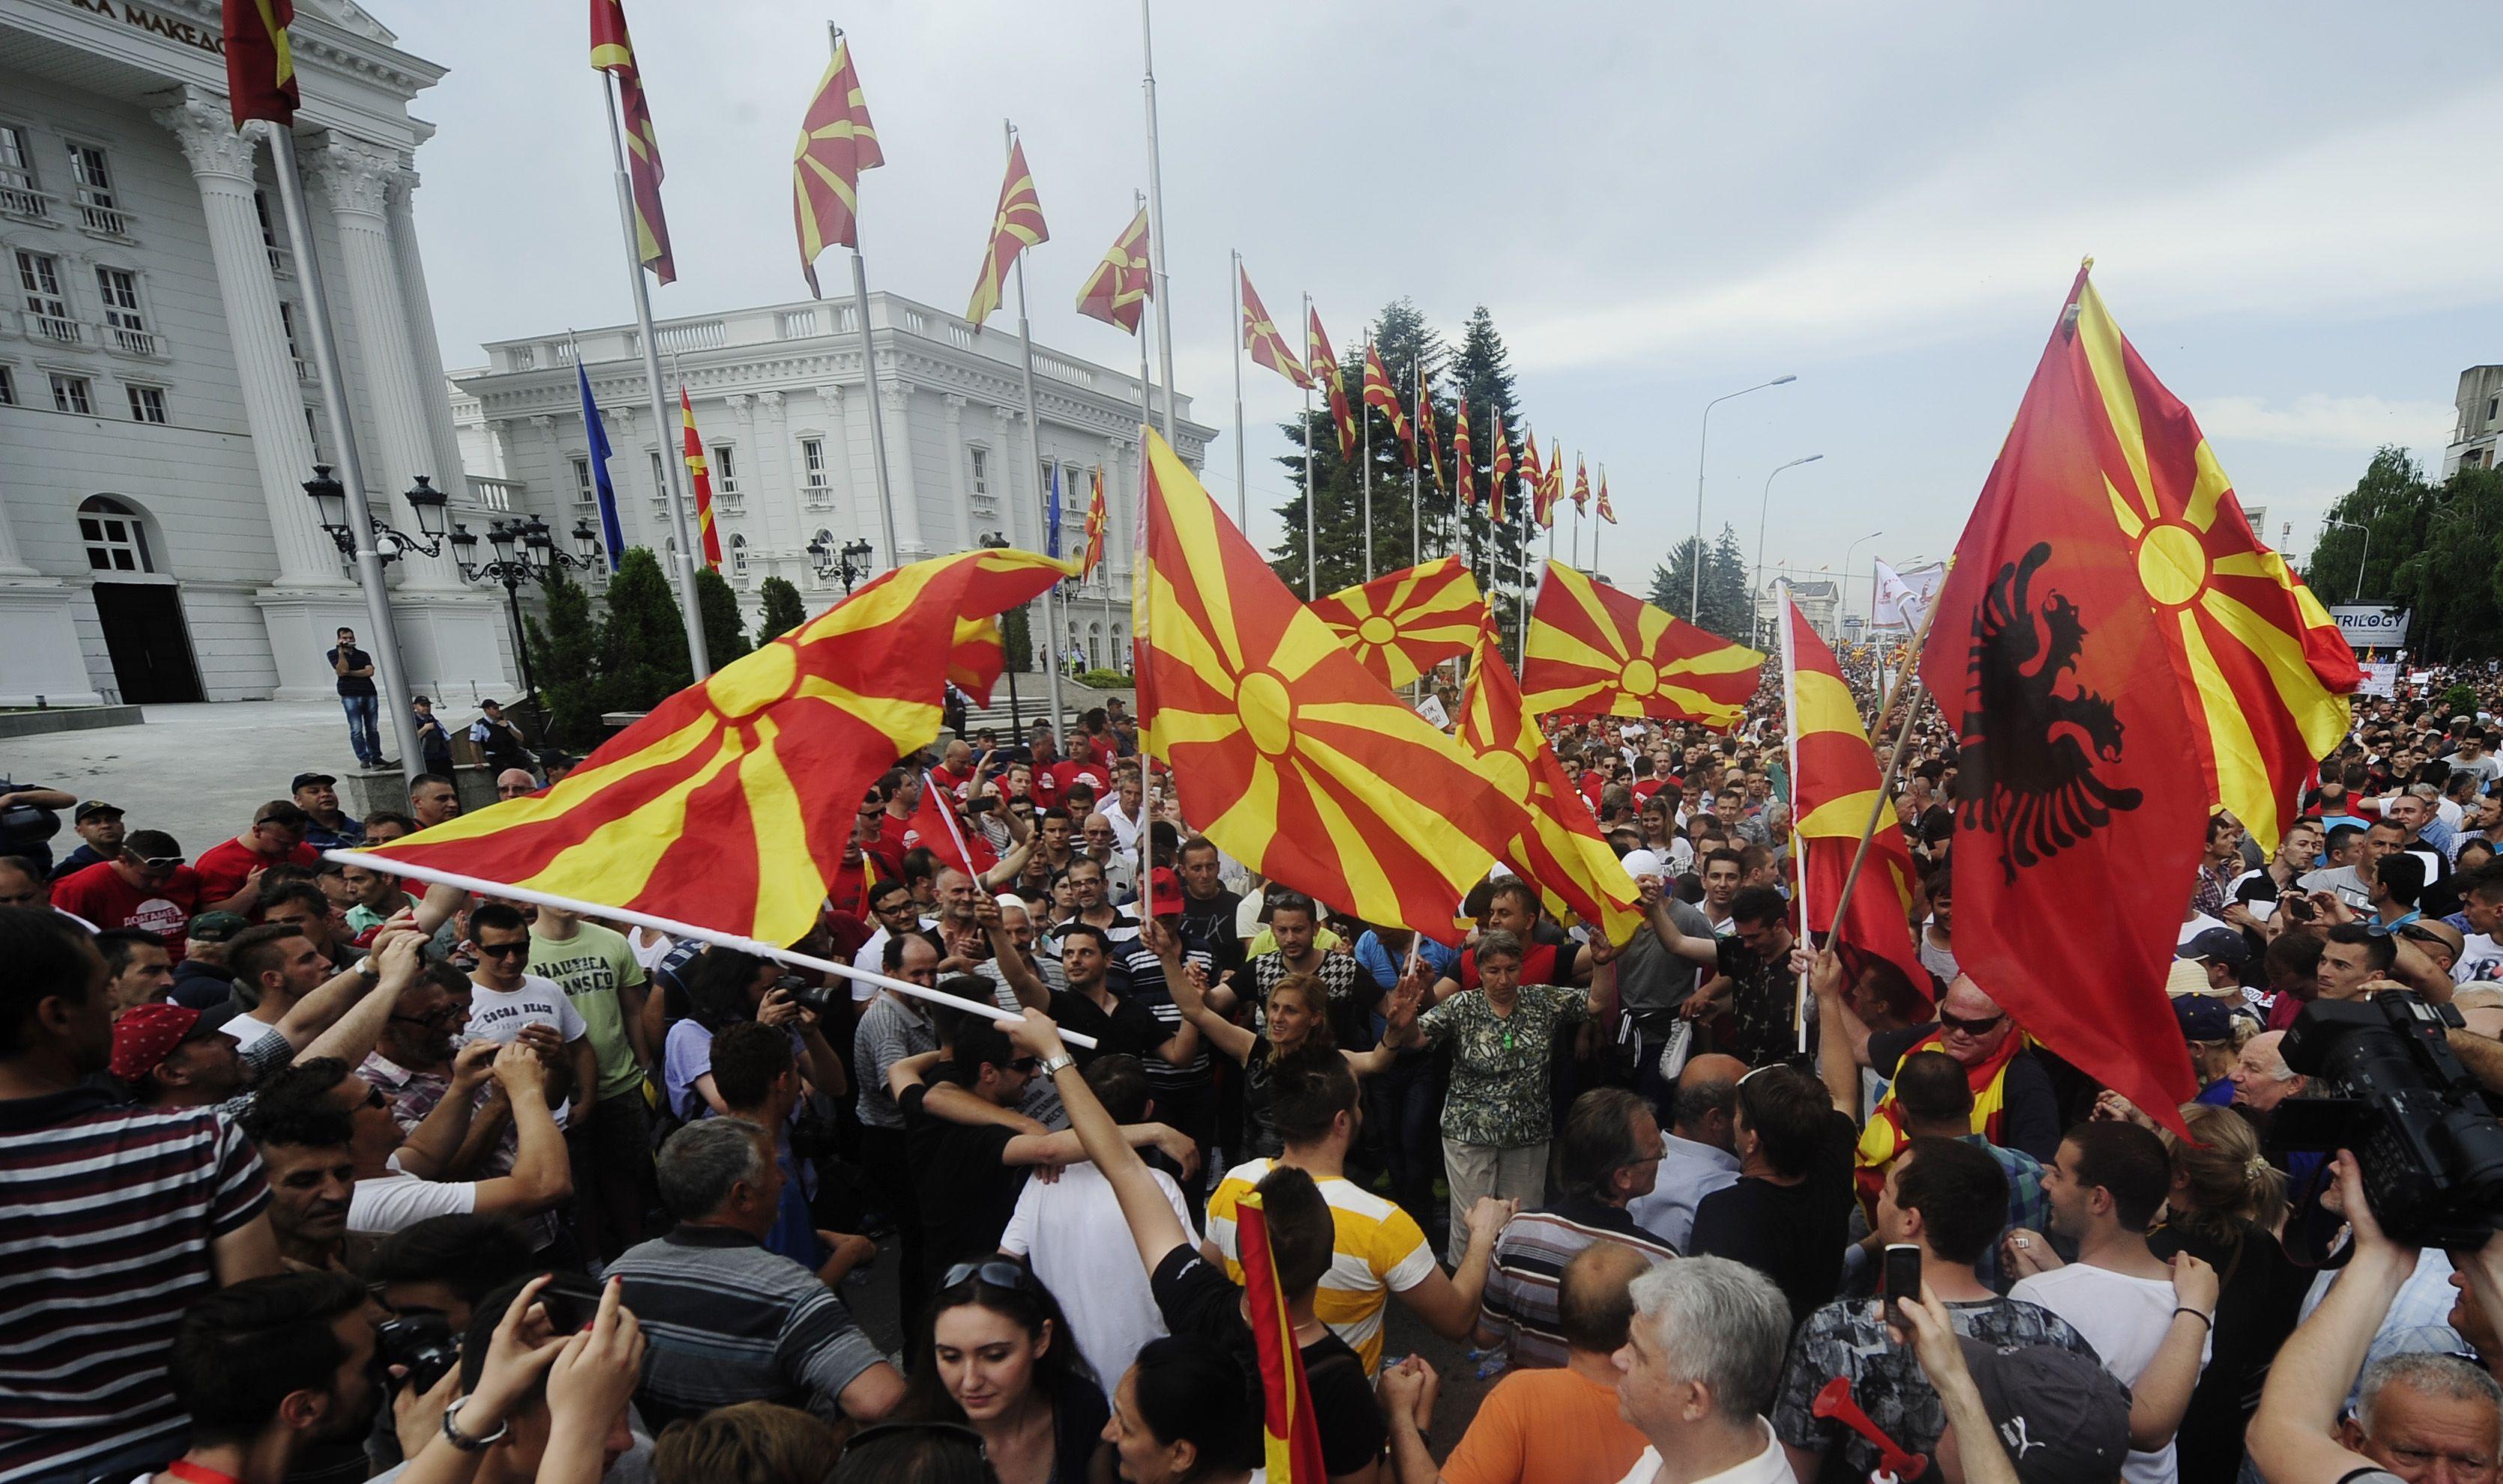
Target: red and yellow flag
[[1581, 485], [1533, 478], [1425, 429], [1095, 524], [1016, 226], [260, 62], [1260, 336], [1289, 1429], [837, 143], [1835, 782], [612, 50], [729, 803], [1381, 398], [1403, 624], [1554, 477], [1289, 755], [1560, 852], [1500, 470], [1607, 511], [1464, 468], [1322, 362], [1595, 651], [1118, 291], [699, 475]]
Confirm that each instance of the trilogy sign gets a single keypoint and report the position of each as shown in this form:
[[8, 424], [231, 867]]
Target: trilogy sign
[[166, 26], [2372, 626]]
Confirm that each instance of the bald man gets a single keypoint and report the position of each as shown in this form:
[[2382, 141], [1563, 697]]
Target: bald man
[[1698, 1149], [513, 783]]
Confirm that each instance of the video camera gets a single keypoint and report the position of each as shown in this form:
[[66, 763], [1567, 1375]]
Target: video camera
[[2430, 1149]]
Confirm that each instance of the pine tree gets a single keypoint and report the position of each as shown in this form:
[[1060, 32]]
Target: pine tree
[[1728, 602], [564, 658], [644, 645], [1483, 371], [784, 611], [1405, 340], [725, 634]]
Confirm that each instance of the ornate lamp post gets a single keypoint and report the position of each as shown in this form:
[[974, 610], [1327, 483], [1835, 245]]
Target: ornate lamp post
[[524, 553]]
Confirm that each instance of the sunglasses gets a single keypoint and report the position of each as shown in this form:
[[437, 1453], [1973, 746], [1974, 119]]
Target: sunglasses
[[160, 863], [503, 949], [1979, 1026], [998, 1273]]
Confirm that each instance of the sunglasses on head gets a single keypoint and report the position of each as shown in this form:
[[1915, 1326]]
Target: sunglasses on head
[[160, 863], [998, 1273], [503, 949], [1979, 1026]]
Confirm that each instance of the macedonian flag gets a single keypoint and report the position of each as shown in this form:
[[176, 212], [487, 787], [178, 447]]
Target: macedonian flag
[[1834, 785], [1607, 511], [612, 50], [1291, 1430], [261, 63], [1499, 471], [1323, 362], [728, 805], [1559, 850], [837, 143], [1261, 334], [1464, 468], [1118, 291], [2263, 668], [1016, 226], [1596, 651], [1287, 754], [1533, 478], [1403, 624], [1379, 395], [1425, 430]]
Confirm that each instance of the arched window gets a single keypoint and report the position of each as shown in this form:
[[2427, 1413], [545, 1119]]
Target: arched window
[[115, 537], [739, 555], [823, 541]]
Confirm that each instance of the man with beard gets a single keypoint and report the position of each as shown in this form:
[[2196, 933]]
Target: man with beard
[[278, 1376]]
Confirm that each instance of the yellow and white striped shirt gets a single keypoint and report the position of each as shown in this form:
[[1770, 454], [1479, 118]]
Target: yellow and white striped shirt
[[1380, 1251]]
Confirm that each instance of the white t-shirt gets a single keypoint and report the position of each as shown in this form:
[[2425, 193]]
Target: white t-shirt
[[247, 1032], [1074, 1233], [2480, 960], [399, 1201], [1770, 1467], [872, 960], [499, 1015], [2125, 1320]]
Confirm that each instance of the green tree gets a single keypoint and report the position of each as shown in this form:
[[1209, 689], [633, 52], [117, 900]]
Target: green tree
[[1405, 343], [2390, 504], [565, 659], [644, 644], [2434, 550], [1016, 640], [783, 609], [724, 633], [1728, 607]]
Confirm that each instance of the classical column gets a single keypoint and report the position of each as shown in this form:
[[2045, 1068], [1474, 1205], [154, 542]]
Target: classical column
[[500, 448], [1006, 456], [895, 398], [273, 404], [963, 497], [417, 311], [356, 178]]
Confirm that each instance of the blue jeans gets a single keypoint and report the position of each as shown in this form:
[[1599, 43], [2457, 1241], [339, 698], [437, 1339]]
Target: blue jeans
[[364, 732]]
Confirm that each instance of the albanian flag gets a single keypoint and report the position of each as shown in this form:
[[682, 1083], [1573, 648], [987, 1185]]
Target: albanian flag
[[1835, 783], [1289, 755], [729, 803], [1403, 624], [1595, 651], [2079, 820]]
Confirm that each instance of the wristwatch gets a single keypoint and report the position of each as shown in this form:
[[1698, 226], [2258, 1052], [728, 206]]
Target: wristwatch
[[1051, 1066], [463, 1440]]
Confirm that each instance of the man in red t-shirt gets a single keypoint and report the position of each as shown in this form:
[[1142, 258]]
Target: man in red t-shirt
[[903, 795], [955, 768], [227, 871], [1514, 907], [147, 885]]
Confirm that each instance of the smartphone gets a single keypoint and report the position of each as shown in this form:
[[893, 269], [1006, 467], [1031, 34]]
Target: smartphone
[[1903, 1274], [572, 1301], [983, 805]]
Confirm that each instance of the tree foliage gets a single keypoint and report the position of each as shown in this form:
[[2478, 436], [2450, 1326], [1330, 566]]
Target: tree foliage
[[783, 609], [1728, 607], [725, 632], [2434, 549], [1016, 641]]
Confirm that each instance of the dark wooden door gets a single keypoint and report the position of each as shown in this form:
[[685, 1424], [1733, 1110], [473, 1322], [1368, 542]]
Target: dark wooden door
[[150, 649]]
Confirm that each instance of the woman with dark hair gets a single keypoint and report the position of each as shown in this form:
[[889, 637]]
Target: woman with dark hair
[[1298, 1013], [1182, 1415], [914, 1453], [725, 987], [995, 1355]]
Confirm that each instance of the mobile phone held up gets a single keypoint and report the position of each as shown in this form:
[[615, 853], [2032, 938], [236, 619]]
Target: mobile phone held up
[[1903, 1275]]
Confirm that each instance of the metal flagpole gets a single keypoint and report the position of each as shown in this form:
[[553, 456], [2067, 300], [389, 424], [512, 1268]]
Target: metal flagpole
[[672, 471], [1312, 497], [1415, 511], [1791, 723], [1034, 464], [1521, 599], [1157, 249], [1242, 497], [1368, 476], [352, 475], [869, 373], [1139, 496], [1907, 685]]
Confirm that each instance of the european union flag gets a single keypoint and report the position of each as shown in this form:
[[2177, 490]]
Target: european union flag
[[1051, 516], [611, 535]]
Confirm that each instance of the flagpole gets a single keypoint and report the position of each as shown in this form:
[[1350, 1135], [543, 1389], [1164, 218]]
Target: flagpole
[[1139, 497], [1910, 681], [1033, 463], [352, 475], [672, 482], [1156, 241], [1367, 414], [1242, 497], [869, 367], [1312, 573], [1799, 846]]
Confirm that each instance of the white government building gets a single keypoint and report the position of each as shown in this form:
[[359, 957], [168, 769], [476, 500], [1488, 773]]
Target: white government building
[[783, 411]]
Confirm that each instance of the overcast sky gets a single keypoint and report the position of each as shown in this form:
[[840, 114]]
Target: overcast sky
[[2294, 209]]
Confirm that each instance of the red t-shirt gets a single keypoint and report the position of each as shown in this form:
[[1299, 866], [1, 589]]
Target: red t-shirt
[[951, 781], [891, 846], [224, 868], [99, 895], [1537, 965], [848, 890], [1069, 770]]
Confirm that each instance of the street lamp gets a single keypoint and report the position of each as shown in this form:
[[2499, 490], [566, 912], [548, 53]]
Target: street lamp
[[524, 552], [1846, 582], [1760, 512], [2361, 557], [853, 565], [1694, 609], [994, 541], [330, 503]]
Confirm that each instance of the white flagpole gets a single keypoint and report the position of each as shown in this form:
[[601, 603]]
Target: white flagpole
[[678, 929], [869, 370], [1242, 488], [1312, 497], [1158, 250], [1366, 415], [672, 471], [1798, 847], [1034, 465]]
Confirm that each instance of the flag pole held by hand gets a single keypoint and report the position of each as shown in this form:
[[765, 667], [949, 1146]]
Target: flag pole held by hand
[[1908, 686]]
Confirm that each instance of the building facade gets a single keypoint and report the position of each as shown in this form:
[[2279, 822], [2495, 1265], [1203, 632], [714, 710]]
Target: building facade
[[1819, 600], [2473, 438], [783, 410], [157, 403]]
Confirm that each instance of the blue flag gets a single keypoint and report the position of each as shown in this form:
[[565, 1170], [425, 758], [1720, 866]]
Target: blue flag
[[1052, 514], [611, 535]]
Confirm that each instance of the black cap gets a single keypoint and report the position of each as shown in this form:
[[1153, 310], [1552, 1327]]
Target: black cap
[[2218, 945], [307, 780], [2060, 1415], [95, 808]]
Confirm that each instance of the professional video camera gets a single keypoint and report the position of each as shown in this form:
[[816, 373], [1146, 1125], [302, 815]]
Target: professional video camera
[[2430, 1149]]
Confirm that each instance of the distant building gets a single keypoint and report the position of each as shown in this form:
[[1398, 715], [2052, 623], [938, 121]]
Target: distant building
[[2480, 420], [1819, 599]]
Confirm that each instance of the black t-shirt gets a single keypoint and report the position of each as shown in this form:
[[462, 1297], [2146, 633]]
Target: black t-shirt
[[1131, 1028], [964, 1193], [1207, 932], [1196, 1298], [1793, 1234], [2033, 1122], [358, 660], [2259, 1298]]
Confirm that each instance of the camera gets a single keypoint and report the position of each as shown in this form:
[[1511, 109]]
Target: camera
[[2429, 1147], [423, 1343], [816, 999]]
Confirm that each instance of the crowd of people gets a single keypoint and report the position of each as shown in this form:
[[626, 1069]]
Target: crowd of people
[[318, 1174]]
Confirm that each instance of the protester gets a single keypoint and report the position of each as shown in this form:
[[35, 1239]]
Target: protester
[[996, 1357], [1698, 1367], [1697, 1150], [1610, 1154], [1788, 1212]]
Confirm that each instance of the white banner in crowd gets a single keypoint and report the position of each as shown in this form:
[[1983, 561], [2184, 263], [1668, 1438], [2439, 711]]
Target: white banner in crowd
[[1903, 597], [2372, 626]]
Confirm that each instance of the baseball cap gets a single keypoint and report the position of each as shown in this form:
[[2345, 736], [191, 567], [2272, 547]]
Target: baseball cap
[[146, 1035], [2061, 1417], [2203, 1019], [94, 808], [216, 926], [1164, 892], [307, 780], [2220, 945], [1644, 863]]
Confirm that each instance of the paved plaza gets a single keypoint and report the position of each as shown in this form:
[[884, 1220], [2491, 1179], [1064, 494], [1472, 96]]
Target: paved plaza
[[196, 771]]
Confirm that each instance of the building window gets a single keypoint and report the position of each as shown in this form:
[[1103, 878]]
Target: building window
[[7, 387], [147, 403], [725, 474], [981, 458], [313, 429], [124, 322], [70, 394], [659, 477], [2493, 407], [281, 264], [99, 208], [812, 462], [20, 195], [584, 491], [739, 555], [114, 538], [39, 279]]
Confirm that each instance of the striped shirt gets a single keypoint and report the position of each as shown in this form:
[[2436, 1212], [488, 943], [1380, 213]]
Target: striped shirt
[[105, 1230], [1378, 1251], [728, 1321], [1529, 1257]]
